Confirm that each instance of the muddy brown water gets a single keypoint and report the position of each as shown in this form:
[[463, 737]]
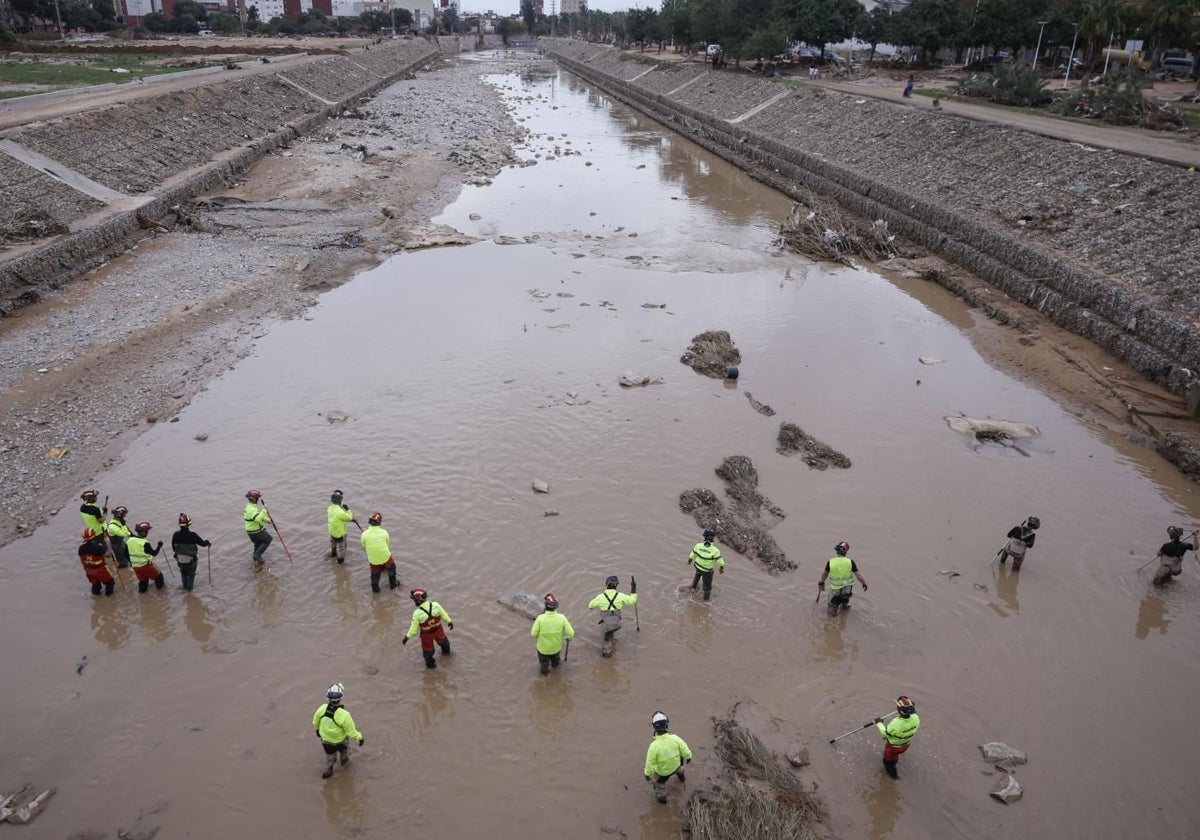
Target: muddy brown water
[[194, 711]]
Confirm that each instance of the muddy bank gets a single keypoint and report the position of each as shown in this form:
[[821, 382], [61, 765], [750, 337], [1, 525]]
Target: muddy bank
[[99, 360], [1102, 243]]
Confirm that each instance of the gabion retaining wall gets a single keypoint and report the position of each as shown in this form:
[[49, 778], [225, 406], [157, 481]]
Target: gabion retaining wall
[[1132, 323]]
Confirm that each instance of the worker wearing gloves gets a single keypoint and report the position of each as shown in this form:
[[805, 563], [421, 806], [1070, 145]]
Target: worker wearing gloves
[[706, 556], [377, 544], [335, 728], [256, 520], [428, 619], [141, 557], [665, 757], [549, 629], [610, 602], [841, 572], [898, 733], [337, 515]]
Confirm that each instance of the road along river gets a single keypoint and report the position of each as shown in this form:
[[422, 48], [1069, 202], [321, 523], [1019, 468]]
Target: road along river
[[466, 373]]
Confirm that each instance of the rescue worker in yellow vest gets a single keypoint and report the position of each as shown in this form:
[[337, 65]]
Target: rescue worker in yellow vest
[[141, 558], [256, 519], [549, 628], [335, 728], [841, 571], [118, 534], [706, 556], [376, 542], [665, 757], [185, 545], [93, 515], [91, 555], [898, 733], [427, 620], [338, 515], [610, 601]]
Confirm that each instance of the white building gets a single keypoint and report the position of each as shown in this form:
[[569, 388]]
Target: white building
[[267, 9]]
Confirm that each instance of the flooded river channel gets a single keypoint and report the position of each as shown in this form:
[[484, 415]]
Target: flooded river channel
[[469, 372]]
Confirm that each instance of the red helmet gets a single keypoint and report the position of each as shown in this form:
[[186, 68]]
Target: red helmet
[[841, 548], [184, 520], [375, 519], [905, 706], [142, 528], [89, 534], [550, 601], [418, 595]]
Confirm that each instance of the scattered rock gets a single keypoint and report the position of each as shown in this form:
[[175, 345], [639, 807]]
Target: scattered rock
[[520, 601], [337, 416], [1007, 790], [629, 379], [20, 814], [654, 306], [474, 217], [201, 436], [540, 486], [550, 512], [799, 758], [761, 408], [816, 454], [711, 353], [929, 360], [1002, 755]]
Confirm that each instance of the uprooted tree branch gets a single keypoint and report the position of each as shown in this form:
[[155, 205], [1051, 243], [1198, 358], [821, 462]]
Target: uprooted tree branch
[[819, 229]]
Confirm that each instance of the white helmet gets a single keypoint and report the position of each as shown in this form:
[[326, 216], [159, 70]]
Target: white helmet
[[335, 692], [660, 722]]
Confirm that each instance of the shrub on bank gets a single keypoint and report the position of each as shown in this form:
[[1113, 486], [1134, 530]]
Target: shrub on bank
[[1006, 84], [1120, 102]]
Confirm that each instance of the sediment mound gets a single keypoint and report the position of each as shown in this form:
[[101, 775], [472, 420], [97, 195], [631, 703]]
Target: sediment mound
[[744, 524], [711, 353], [815, 453], [820, 230], [757, 795]]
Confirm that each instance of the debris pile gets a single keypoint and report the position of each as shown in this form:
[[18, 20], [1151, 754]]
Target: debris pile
[[743, 525], [821, 231], [816, 454], [711, 353]]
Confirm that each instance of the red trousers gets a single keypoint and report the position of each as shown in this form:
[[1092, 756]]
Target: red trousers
[[436, 635], [891, 753], [98, 574], [378, 570], [147, 572]]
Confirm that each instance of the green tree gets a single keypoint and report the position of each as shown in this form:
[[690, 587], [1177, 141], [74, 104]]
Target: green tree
[[872, 27], [155, 22], [508, 27], [192, 9], [224, 22], [451, 21], [1169, 20], [766, 42], [927, 25], [819, 22], [528, 15]]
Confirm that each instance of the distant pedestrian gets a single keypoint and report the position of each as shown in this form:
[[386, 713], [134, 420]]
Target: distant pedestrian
[[1170, 556], [706, 558], [841, 572], [118, 536], [91, 555], [550, 628], [93, 515], [665, 757], [1020, 540], [256, 520], [337, 515], [908, 87], [427, 619], [141, 557], [610, 602], [185, 545], [335, 728], [898, 733], [377, 544]]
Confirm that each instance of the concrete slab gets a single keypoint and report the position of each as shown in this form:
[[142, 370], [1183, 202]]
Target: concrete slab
[[761, 107], [56, 170]]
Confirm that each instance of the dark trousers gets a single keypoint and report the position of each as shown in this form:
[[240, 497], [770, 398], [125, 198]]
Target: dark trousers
[[187, 572], [707, 578], [120, 551], [377, 572], [107, 588], [548, 661], [261, 540], [337, 548]]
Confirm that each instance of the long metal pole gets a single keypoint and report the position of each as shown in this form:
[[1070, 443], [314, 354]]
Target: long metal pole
[[1071, 57], [1037, 50], [1108, 53]]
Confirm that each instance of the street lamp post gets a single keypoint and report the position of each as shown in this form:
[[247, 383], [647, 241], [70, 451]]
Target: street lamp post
[[1108, 53], [1038, 49], [1071, 57]]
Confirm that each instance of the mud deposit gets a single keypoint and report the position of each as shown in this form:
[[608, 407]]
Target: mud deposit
[[818, 455], [711, 353], [460, 387], [745, 522]]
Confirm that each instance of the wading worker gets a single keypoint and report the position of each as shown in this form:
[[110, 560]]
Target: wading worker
[[337, 515], [665, 757], [118, 533], [335, 728], [549, 629], [610, 601], [141, 558], [256, 520], [898, 733], [93, 515], [1170, 556], [186, 547], [91, 555], [841, 572], [377, 544], [1020, 539], [427, 620], [706, 556]]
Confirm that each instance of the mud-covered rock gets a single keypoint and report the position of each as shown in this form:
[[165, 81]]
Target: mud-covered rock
[[1008, 790], [711, 353], [520, 601], [761, 408], [1002, 755], [815, 453]]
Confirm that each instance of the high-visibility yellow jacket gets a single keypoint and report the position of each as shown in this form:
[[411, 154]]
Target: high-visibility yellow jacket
[[667, 751], [139, 551], [336, 726], [338, 517], [117, 528], [375, 541], [900, 731], [427, 618], [549, 629], [255, 518], [93, 517], [841, 572], [611, 599], [705, 556]]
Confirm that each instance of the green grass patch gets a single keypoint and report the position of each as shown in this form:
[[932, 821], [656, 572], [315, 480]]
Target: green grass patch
[[91, 70], [13, 94], [1191, 114]]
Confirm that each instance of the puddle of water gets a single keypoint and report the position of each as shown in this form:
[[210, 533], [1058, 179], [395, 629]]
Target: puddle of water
[[458, 383]]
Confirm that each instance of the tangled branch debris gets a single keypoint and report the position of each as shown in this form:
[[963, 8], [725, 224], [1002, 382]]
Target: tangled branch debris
[[820, 230]]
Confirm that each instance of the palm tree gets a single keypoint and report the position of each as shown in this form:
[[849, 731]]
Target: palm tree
[[1169, 19], [1099, 20]]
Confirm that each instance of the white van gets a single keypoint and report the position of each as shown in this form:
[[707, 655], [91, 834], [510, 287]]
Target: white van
[[712, 50], [206, 33]]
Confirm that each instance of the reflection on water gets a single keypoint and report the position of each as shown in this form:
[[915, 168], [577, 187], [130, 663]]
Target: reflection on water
[[551, 699], [882, 802], [345, 797], [1006, 589], [438, 688], [1152, 615], [153, 610], [699, 624], [830, 645], [108, 624], [198, 618]]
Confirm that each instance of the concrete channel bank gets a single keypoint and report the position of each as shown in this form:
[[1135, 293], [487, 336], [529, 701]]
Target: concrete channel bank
[[1104, 244], [94, 171]]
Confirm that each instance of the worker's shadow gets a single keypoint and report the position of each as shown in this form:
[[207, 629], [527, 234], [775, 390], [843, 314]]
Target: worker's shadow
[[1152, 615], [108, 624], [1006, 590], [196, 617], [882, 801]]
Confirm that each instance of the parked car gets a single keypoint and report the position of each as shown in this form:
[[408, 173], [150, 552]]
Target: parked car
[[206, 33], [1178, 64]]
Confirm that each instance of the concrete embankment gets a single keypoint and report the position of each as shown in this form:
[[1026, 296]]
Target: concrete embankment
[[1104, 244], [94, 171]]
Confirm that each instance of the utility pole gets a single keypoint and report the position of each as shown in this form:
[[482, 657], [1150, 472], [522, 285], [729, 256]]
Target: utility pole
[[58, 17], [1071, 57], [1038, 48]]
